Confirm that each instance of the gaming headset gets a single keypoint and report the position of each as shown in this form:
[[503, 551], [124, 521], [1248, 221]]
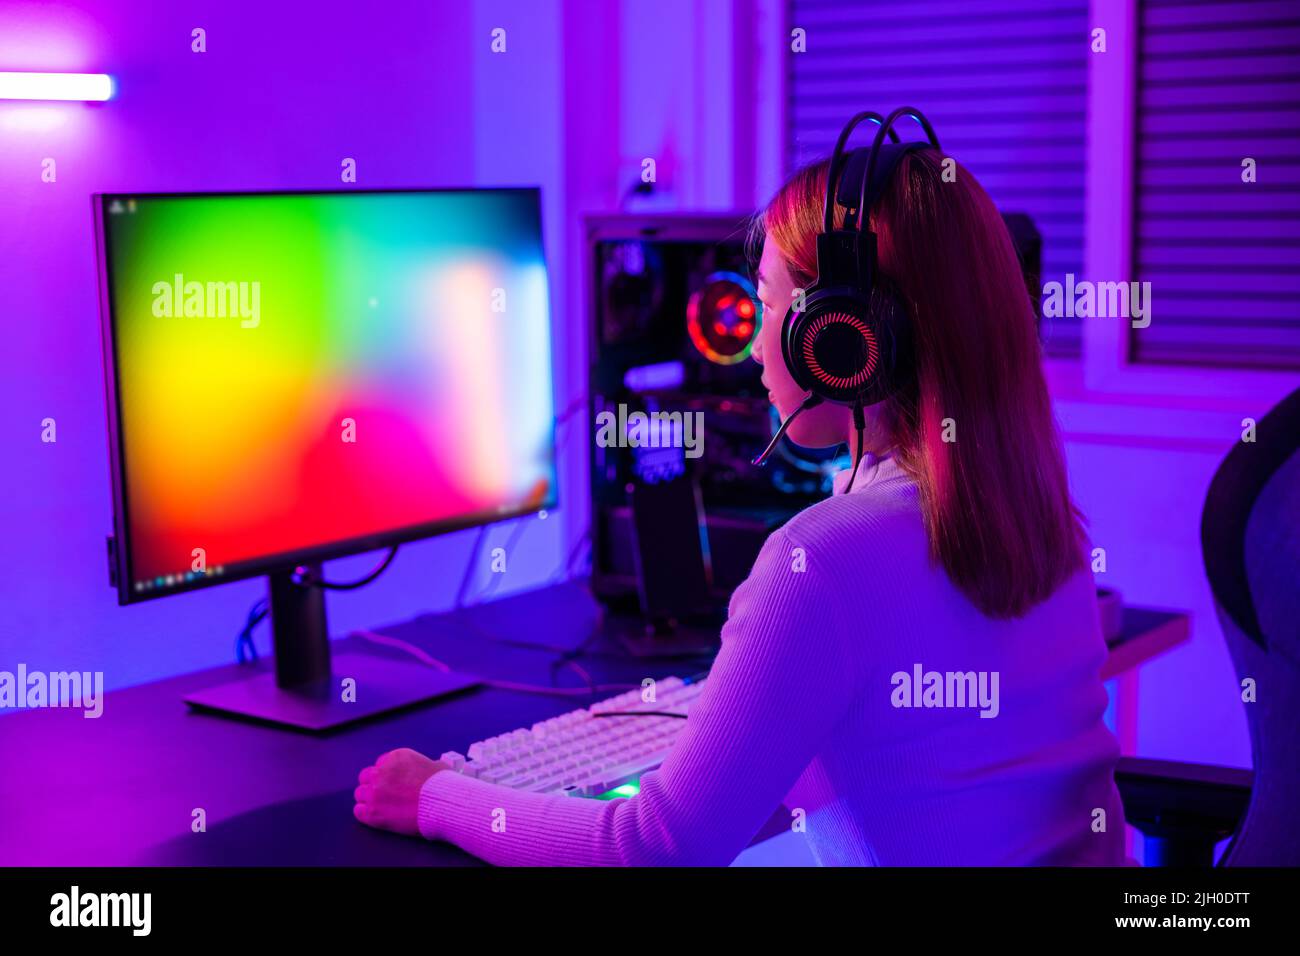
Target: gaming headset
[[849, 340]]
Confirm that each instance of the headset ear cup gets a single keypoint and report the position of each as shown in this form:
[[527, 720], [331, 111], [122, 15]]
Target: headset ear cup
[[830, 347], [888, 316], [876, 323]]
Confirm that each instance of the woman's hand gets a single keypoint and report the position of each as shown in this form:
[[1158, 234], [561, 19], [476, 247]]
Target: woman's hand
[[388, 796]]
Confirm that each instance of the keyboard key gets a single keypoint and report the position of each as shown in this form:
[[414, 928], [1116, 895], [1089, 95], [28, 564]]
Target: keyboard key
[[454, 760], [578, 753]]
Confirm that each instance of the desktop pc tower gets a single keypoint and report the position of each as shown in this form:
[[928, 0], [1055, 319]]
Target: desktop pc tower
[[673, 312]]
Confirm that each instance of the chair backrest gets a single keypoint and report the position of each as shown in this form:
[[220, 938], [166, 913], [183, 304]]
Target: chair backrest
[[1250, 539]]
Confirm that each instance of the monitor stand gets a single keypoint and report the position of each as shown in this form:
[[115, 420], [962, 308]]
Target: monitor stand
[[310, 692]]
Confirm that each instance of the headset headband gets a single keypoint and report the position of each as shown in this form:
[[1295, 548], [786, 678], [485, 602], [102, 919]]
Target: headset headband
[[850, 193], [880, 161], [837, 157]]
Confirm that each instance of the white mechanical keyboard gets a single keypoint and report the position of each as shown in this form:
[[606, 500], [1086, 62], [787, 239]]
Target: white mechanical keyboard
[[582, 753]]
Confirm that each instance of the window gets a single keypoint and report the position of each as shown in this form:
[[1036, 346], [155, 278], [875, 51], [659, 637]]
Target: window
[[1218, 83]]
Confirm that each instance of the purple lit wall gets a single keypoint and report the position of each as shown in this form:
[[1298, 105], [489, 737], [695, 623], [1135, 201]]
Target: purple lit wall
[[281, 96]]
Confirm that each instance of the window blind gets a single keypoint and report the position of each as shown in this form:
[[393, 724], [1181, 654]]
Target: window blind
[[1218, 83], [1003, 81]]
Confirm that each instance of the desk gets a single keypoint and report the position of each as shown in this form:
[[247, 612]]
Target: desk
[[122, 789], [1143, 634]]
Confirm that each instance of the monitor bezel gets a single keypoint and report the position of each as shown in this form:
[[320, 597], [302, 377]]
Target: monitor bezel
[[120, 556]]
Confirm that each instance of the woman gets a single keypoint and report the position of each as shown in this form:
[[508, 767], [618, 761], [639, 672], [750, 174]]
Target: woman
[[911, 667]]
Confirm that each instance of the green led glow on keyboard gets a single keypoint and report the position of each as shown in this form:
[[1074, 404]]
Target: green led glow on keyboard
[[629, 789]]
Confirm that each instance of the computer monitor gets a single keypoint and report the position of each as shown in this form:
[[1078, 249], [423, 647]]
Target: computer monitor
[[298, 376]]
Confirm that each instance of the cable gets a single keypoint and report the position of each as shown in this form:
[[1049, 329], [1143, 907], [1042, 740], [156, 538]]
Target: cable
[[566, 572], [483, 632], [470, 565], [557, 691], [640, 713], [245, 649], [353, 585], [859, 425], [639, 187], [512, 542], [565, 659], [429, 660], [422, 656], [569, 411], [573, 665]]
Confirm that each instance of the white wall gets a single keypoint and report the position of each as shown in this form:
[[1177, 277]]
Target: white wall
[[1190, 705]]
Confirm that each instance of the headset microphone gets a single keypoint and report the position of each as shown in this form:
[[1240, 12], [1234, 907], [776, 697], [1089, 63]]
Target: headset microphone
[[807, 403]]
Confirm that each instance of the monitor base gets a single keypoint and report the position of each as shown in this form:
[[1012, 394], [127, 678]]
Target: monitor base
[[379, 686]]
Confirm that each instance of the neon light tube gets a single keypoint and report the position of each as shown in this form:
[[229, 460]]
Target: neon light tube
[[90, 87]]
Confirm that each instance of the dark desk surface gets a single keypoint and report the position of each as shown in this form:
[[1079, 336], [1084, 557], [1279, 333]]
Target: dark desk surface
[[122, 789]]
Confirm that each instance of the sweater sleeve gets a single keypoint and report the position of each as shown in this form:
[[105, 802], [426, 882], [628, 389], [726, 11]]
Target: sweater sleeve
[[779, 685]]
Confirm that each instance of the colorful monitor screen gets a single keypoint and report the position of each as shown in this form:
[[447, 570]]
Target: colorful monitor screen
[[305, 375]]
